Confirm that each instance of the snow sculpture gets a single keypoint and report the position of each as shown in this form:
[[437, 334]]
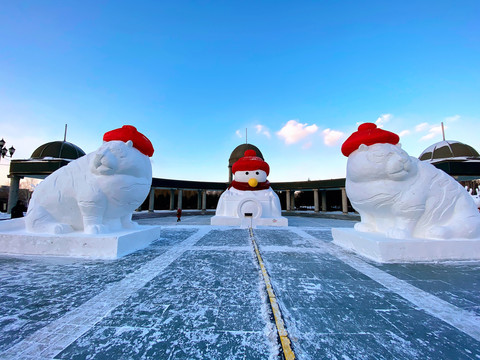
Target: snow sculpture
[[402, 197], [98, 192], [249, 200]]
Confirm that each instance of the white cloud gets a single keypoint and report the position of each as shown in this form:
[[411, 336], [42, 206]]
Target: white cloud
[[384, 118], [381, 120], [452, 118], [422, 127], [433, 131], [427, 137], [293, 131], [263, 130], [404, 133], [331, 137], [238, 133]]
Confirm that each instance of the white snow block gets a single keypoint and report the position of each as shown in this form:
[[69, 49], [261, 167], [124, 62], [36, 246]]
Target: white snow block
[[246, 222], [379, 248], [14, 240], [249, 209]]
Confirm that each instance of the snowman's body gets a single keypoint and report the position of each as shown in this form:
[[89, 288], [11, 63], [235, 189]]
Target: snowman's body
[[237, 202], [249, 201]]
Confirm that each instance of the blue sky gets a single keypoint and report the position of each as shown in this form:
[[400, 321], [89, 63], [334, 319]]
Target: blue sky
[[192, 75]]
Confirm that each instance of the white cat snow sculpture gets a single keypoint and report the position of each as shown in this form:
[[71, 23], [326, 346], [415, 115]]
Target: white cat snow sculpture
[[401, 196], [98, 192], [249, 196]]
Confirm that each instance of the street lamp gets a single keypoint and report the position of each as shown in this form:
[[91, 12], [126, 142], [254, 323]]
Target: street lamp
[[4, 150]]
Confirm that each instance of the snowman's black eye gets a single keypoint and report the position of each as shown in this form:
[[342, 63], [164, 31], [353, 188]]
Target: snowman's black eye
[[246, 173], [257, 173]]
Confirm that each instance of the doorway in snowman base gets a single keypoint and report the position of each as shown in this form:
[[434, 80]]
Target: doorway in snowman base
[[249, 201]]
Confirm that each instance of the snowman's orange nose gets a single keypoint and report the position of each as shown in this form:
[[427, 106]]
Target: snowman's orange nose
[[253, 182]]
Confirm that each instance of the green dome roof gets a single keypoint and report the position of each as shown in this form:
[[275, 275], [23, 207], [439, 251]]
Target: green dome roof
[[58, 150], [448, 149], [239, 151]]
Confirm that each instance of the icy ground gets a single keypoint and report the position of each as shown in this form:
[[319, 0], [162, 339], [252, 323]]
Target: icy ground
[[4, 216], [197, 293]]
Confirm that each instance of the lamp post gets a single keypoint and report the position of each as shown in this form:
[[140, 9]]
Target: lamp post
[[14, 182], [4, 150]]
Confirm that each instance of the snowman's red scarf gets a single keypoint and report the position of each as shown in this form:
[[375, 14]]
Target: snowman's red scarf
[[245, 187]]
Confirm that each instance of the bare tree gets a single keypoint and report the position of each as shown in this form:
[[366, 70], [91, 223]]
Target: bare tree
[[29, 185]]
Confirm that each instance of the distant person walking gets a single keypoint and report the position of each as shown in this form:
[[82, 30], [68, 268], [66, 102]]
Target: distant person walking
[[18, 210], [179, 214]]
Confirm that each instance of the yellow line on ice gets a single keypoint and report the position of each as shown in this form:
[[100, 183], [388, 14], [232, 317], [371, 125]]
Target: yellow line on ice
[[282, 332]]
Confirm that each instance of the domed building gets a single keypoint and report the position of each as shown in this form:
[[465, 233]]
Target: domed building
[[58, 150], [237, 153], [326, 195], [44, 160], [457, 159], [449, 150]]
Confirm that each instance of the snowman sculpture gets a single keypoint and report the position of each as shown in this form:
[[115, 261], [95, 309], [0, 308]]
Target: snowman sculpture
[[249, 201]]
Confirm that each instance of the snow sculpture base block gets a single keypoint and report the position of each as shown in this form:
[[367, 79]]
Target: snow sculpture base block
[[249, 209], [247, 222], [16, 241], [379, 248]]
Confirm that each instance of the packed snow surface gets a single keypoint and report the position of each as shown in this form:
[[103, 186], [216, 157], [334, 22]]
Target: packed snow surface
[[197, 293]]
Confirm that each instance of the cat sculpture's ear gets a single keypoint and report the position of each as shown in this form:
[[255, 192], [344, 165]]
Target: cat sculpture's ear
[[129, 143], [363, 147], [399, 145]]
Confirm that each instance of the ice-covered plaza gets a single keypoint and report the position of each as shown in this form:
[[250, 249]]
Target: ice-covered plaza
[[198, 293]]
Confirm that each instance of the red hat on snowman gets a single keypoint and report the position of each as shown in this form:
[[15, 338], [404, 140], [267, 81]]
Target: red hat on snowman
[[368, 134], [250, 161]]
